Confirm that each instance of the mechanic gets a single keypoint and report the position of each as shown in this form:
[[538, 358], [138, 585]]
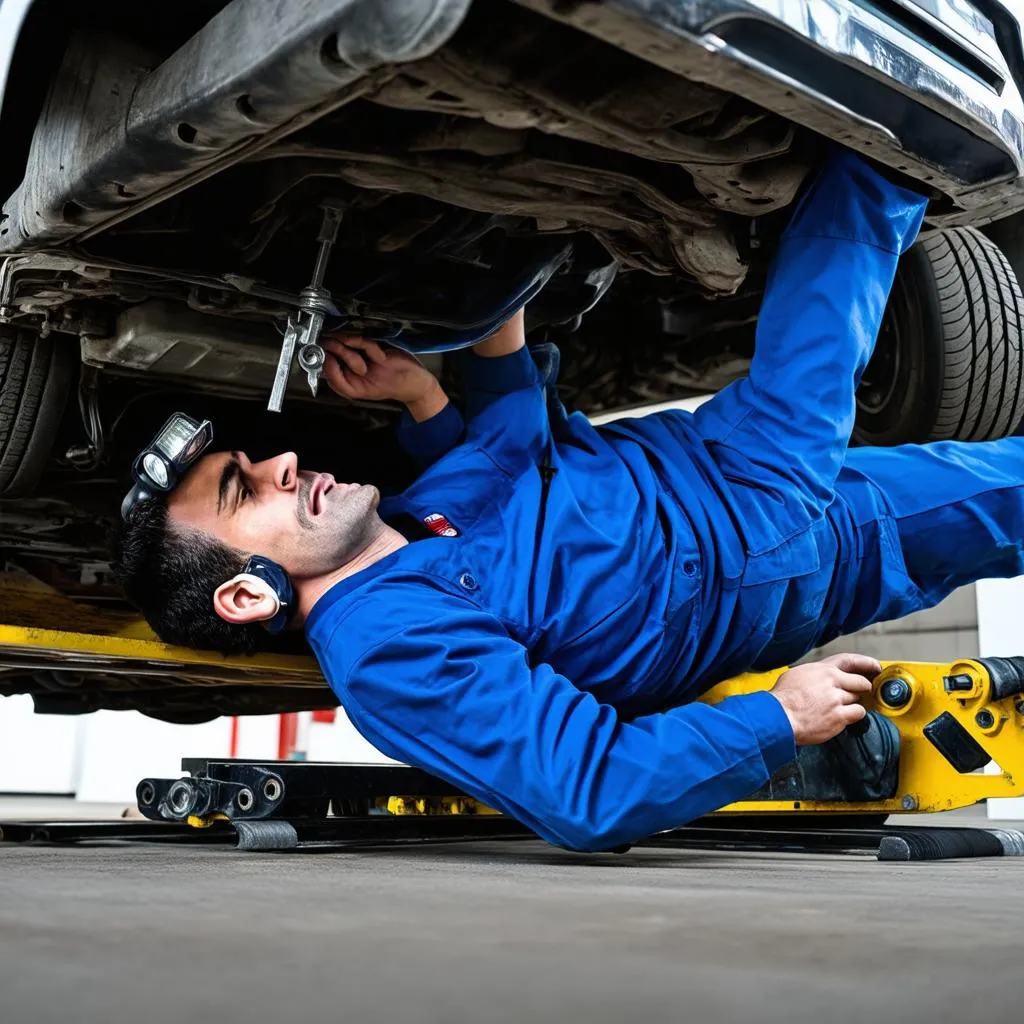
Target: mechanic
[[533, 619]]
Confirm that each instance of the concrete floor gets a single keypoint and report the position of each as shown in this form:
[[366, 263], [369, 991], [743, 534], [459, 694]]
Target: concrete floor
[[483, 933]]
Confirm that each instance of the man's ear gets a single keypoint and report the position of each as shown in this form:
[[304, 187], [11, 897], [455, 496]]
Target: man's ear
[[246, 599]]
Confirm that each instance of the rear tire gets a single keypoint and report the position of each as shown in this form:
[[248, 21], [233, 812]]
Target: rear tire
[[949, 364], [35, 377]]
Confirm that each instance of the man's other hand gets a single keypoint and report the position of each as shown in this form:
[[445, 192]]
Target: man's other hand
[[361, 370], [822, 698]]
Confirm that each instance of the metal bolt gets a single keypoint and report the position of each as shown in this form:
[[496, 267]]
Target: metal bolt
[[985, 719], [312, 358], [244, 799], [909, 802], [271, 789], [147, 794], [895, 693], [181, 798]]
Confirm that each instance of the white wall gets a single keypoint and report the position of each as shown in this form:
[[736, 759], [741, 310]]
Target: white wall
[[101, 757], [38, 753], [943, 633], [339, 741], [122, 747], [1001, 618], [1001, 635], [687, 404]]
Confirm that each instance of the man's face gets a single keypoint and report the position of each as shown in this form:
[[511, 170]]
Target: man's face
[[306, 522]]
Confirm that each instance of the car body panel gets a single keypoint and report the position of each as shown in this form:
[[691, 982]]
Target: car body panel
[[258, 70], [843, 70], [122, 130]]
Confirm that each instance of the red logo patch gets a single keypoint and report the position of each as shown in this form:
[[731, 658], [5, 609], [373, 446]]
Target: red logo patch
[[439, 524]]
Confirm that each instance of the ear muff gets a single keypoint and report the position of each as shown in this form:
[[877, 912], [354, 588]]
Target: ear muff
[[269, 572]]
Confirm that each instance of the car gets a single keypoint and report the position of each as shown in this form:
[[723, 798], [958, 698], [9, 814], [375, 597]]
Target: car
[[170, 174]]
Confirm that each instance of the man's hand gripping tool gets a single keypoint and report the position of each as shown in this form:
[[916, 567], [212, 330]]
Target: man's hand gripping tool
[[303, 330]]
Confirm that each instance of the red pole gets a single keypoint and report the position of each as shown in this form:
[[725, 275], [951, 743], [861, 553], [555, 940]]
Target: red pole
[[233, 741]]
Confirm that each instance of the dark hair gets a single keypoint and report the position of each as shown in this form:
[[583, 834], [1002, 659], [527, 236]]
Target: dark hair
[[170, 574]]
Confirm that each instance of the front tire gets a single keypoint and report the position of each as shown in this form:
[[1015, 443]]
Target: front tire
[[949, 363]]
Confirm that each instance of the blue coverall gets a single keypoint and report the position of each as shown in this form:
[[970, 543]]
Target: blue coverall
[[546, 658]]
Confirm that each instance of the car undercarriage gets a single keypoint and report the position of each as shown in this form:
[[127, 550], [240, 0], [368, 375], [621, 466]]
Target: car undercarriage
[[166, 223]]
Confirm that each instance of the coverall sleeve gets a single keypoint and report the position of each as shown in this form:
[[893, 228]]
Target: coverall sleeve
[[425, 442], [790, 420], [454, 694], [485, 380]]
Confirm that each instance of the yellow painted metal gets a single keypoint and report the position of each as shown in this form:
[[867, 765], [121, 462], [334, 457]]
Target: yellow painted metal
[[20, 645], [194, 821], [927, 781], [25, 601], [40, 627], [444, 805]]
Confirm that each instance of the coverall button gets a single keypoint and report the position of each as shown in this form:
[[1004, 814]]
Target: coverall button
[[690, 568], [468, 580]]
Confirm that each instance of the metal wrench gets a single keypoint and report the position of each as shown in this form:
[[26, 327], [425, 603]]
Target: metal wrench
[[304, 329]]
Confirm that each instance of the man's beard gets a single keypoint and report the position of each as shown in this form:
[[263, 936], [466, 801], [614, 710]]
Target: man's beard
[[352, 528], [302, 506]]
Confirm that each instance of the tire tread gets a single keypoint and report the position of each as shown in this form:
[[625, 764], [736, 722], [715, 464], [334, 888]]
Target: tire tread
[[35, 375], [981, 321]]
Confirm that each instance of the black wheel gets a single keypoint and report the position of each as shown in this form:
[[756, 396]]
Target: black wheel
[[949, 363], [35, 376]]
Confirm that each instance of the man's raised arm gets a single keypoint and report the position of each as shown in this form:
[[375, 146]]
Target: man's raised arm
[[431, 426], [497, 366]]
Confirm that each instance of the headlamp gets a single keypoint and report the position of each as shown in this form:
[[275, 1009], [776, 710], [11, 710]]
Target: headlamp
[[160, 465]]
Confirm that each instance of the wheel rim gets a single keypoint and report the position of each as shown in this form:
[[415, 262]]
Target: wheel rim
[[881, 376]]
